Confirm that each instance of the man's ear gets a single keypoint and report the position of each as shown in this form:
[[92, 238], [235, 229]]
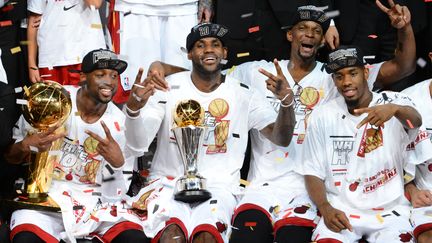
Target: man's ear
[[225, 52], [366, 72], [83, 77], [189, 56], [430, 56], [289, 35]]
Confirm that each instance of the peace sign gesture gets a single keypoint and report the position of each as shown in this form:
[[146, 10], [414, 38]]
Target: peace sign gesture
[[278, 84], [107, 147], [400, 16], [377, 115]]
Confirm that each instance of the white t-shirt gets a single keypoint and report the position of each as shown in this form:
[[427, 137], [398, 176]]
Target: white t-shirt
[[230, 112], [3, 77], [273, 163], [158, 7], [361, 167], [68, 31], [421, 96], [77, 160]]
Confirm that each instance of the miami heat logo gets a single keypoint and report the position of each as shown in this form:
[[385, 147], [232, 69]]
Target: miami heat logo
[[372, 139], [219, 108], [309, 97]]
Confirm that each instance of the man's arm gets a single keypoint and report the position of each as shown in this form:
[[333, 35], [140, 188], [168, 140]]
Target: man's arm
[[334, 219], [378, 115], [281, 131], [205, 11], [32, 46], [403, 64]]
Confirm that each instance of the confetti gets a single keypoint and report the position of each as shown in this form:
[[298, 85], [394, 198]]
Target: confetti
[[18, 90], [369, 57], [18, 191], [175, 87], [379, 218], [373, 36], [96, 26], [110, 170], [46, 75], [33, 149], [354, 216], [5, 23], [117, 126], [224, 61], [244, 182], [7, 8], [250, 224], [24, 43], [332, 14], [26, 91], [244, 54], [337, 183], [21, 102], [127, 13], [410, 125], [246, 15], [421, 62], [15, 50], [93, 8], [254, 29], [77, 113]]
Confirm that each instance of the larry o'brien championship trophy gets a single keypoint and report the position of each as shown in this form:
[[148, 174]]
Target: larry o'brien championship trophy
[[189, 133], [48, 105]]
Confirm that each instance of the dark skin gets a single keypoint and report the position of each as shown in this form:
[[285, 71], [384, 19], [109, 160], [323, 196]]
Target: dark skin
[[206, 56], [351, 83], [92, 101]]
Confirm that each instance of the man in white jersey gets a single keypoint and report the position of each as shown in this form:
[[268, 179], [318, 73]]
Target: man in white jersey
[[275, 200], [68, 30], [231, 109], [419, 190], [354, 157], [89, 162], [147, 30]]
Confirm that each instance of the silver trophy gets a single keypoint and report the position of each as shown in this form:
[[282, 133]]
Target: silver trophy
[[189, 133]]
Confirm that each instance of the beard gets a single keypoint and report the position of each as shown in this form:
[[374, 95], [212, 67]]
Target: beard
[[199, 68], [352, 103]]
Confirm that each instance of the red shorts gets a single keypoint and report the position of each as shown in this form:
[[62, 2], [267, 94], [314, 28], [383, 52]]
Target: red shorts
[[65, 75]]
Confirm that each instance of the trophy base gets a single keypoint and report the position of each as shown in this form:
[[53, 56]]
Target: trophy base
[[22, 202], [192, 196], [36, 197]]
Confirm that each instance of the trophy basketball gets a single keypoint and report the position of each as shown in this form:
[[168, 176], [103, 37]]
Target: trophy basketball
[[189, 133], [48, 105]]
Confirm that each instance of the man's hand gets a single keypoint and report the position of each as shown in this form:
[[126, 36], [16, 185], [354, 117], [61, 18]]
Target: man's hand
[[108, 147], [334, 219], [42, 141], [421, 198], [205, 11], [34, 75], [377, 115], [399, 16], [141, 92], [278, 84], [332, 37], [157, 73]]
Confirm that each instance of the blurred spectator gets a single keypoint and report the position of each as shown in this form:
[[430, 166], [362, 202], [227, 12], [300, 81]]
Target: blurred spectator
[[147, 30], [60, 33]]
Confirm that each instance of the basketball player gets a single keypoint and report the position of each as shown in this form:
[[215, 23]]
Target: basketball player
[[354, 157], [275, 198], [419, 190], [68, 30], [231, 110], [92, 147], [161, 25]]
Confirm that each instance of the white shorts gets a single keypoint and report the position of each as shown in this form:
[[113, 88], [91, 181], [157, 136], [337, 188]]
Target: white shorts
[[421, 219], [144, 39], [213, 215], [378, 225], [281, 205]]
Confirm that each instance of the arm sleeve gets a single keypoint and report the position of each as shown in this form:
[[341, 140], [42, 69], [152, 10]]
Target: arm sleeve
[[314, 150], [36, 6], [140, 131]]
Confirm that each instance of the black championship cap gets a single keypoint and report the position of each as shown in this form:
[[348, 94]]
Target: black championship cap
[[206, 30], [344, 56], [311, 13], [102, 59]]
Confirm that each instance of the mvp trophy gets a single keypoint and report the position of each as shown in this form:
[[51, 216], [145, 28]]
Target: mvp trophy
[[48, 105], [189, 133]]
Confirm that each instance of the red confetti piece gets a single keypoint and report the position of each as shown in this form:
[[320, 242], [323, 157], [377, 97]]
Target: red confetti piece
[[410, 125], [7, 8], [373, 36], [354, 216], [250, 224], [5, 23], [88, 190], [254, 29], [337, 183], [377, 209], [116, 124]]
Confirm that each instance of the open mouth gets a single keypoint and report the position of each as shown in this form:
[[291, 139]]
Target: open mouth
[[307, 47], [349, 92], [209, 60], [106, 92]]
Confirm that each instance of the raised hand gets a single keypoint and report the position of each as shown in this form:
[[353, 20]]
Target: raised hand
[[205, 11], [377, 115], [278, 84], [157, 73], [141, 92], [400, 16], [107, 147], [335, 219]]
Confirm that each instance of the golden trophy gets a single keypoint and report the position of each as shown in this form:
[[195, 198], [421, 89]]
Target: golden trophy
[[48, 105], [189, 133]]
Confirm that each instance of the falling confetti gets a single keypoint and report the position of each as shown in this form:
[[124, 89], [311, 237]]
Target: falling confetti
[[244, 54], [15, 50]]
